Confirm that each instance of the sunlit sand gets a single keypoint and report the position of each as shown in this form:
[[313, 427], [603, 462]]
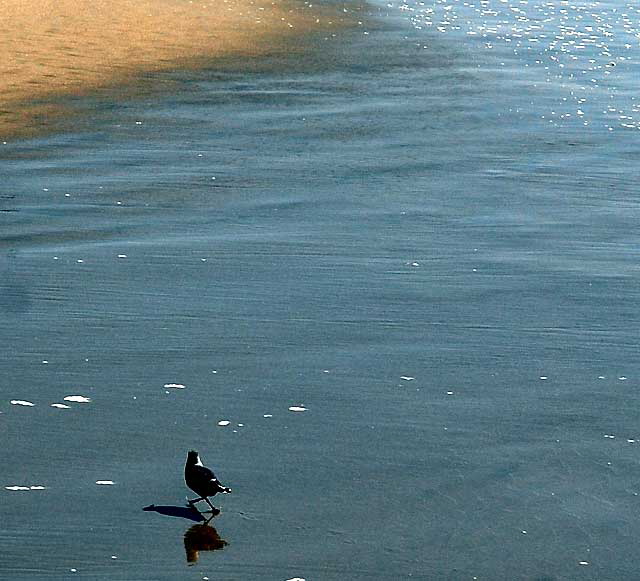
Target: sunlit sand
[[61, 48]]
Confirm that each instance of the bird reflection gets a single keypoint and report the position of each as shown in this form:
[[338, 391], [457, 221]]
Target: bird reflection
[[201, 537]]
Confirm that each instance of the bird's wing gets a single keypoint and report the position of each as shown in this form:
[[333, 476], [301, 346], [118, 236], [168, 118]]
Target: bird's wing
[[204, 473]]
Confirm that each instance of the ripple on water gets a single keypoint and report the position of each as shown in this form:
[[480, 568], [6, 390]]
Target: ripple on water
[[585, 48]]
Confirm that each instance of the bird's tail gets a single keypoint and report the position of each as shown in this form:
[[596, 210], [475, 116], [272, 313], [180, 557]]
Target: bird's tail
[[226, 490]]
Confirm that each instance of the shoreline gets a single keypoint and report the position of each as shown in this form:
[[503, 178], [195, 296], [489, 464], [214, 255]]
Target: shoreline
[[69, 48]]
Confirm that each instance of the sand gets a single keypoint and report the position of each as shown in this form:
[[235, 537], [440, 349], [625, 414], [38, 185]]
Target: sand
[[58, 48]]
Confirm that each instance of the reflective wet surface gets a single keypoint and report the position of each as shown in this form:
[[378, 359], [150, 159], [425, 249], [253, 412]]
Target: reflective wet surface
[[388, 296]]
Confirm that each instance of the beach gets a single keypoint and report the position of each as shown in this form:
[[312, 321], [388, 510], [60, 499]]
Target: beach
[[382, 276], [57, 50]]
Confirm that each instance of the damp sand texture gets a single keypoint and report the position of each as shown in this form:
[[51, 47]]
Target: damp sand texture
[[61, 48]]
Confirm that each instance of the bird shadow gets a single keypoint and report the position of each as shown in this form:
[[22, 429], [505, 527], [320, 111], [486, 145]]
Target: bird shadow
[[186, 512]]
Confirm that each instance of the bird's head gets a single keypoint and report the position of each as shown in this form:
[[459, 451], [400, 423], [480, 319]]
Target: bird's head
[[192, 457]]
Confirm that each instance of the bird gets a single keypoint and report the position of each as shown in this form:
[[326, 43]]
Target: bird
[[202, 481]]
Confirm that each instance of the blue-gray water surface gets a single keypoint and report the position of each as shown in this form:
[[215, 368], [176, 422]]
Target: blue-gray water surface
[[389, 290]]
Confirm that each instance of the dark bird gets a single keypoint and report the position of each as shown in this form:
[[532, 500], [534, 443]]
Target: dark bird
[[202, 480]]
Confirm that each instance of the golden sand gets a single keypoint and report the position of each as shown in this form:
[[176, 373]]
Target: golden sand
[[55, 48]]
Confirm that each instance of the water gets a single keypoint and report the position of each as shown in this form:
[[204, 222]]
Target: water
[[411, 234]]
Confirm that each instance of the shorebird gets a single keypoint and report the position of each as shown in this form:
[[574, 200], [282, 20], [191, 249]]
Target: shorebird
[[202, 481]]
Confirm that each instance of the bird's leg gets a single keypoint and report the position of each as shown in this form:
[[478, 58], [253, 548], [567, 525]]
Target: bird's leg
[[213, 508], [192, 503]]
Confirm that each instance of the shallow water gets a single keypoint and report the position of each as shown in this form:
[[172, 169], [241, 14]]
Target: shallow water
[[395, 234]]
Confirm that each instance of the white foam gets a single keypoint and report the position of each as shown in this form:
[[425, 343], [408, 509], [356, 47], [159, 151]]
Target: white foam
[[104, 482], [77, 398], [60, 406], [174, 385], [22, 402], [224, 422], [37, 487], [17, 488], [297, 408], [267, 416], [407, 377]]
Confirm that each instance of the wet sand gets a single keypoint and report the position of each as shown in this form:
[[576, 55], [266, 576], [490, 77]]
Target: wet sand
[[73, 47], [396, 241]]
